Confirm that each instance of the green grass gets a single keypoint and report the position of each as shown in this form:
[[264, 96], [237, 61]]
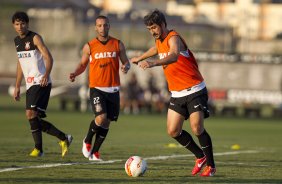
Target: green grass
[[143, 135]]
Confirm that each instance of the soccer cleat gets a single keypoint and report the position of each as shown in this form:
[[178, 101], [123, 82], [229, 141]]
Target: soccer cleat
[[36, 153], [95, 157], [208, 171], [86, 148], [199, 163], [65, 144]]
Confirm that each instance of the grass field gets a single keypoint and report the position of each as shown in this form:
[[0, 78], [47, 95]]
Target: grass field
[[259, 160]]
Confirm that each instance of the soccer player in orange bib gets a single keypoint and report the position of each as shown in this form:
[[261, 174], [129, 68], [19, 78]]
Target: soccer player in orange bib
[[103, 54], [189, 95]]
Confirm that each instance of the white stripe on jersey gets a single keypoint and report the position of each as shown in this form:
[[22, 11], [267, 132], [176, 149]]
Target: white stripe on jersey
[[185, 53]]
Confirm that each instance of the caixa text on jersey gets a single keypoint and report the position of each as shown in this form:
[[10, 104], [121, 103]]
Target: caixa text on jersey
[[24, 54]]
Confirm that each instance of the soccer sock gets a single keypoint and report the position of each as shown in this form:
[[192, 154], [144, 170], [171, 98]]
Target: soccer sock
[[52, 130], [36, 132], [100, 137], [93, 128], [206, 144], [186, 140]]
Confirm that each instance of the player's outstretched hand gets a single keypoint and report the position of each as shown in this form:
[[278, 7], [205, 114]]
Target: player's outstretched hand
[[144, 65], [134, 60]]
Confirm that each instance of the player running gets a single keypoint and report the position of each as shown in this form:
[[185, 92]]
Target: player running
[[103, 54], [188, 90], [35, 65]]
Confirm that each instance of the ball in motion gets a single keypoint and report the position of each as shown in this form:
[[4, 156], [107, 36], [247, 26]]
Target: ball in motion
[[135, 166]]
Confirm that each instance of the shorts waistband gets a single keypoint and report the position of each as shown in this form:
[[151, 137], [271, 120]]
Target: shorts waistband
[[188, 91], [109, 89]]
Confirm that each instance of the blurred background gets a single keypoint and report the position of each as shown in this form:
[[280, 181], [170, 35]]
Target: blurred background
[[237, 43]]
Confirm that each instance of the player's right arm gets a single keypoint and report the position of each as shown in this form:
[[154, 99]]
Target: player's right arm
[[149, 53], [83, 63], [19, 78]]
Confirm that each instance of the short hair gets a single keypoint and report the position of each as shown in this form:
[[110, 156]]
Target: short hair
[[102, 17], [155, 17], [20, 16]]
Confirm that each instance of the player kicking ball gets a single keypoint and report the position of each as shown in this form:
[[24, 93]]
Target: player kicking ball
[[188, 90]]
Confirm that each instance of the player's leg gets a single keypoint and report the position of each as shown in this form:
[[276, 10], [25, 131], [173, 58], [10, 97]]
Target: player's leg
[[50, 129], [110, 103], [87, 141], [41, 106], [101, 133], [35, 125], [36, 131], [198, 110], [97, 100], [177, 113], [65, 139], [92, 130], [197, 125], [47, 127], [174, 129]]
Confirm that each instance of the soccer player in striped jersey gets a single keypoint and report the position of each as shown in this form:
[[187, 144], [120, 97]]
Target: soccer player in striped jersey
[[34, 65], [188, 90], [103, 54]]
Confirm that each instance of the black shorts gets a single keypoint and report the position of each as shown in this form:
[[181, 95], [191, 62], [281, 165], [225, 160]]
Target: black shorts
[[191, 103], [37, 99], [103, 102]]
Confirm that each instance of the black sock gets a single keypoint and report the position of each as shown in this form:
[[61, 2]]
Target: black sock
[[52, 130], [36, 132], [100, 137], [93, 128], [186, 140], [206, 144]]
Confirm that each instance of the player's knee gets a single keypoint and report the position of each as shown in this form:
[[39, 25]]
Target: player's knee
[[30, 114], [197, 130], [173, 132], [102, 120]]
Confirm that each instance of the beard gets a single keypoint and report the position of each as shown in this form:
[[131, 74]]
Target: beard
[[158, 35], [104, 34]]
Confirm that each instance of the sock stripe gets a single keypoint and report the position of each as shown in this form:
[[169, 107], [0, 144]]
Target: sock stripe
[[187, 144]]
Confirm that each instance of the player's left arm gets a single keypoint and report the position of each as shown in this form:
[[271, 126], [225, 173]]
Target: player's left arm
[[123, 58], [174, 43], [19, 78], [48, 59]]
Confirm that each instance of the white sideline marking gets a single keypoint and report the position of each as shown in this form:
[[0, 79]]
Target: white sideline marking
[[191, 155], [113, 161]]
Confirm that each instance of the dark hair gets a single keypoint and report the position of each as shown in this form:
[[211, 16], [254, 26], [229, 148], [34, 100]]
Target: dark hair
[[155, 17], [102, 17], [20, 16]]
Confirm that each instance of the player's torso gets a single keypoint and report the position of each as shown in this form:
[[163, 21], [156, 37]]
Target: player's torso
[[30, 58], [183, 73], [104, 63]]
